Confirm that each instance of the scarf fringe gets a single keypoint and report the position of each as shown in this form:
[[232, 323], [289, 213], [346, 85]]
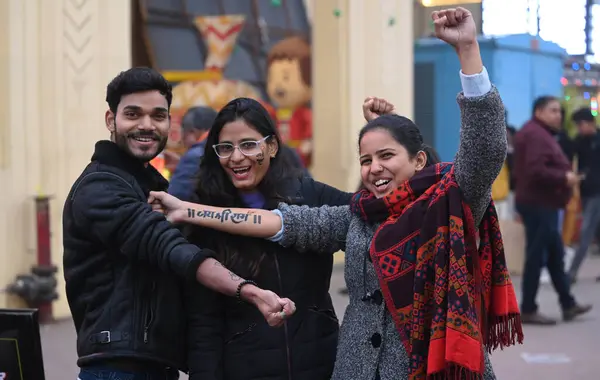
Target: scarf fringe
[[455, 372], [505, 330]]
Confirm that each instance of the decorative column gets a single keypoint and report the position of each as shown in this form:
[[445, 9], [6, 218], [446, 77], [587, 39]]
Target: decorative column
[[57, 58], [360, 49]]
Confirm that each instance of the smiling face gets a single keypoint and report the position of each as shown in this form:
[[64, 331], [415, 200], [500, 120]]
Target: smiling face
[[141, 124], [285, 85], [246, 170], [385, 163]]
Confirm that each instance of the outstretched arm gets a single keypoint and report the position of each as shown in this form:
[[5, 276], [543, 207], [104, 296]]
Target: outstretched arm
[[236, 221], [110, 211], [321, 229]]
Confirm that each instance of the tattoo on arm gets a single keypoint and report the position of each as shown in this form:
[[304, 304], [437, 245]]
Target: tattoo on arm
[[225, 215], [233, 276]]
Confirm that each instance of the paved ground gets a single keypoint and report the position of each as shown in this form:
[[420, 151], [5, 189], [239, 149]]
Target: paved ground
[[564, 352]]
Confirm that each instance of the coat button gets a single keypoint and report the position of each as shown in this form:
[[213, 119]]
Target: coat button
[[377, 297], [376, 340]]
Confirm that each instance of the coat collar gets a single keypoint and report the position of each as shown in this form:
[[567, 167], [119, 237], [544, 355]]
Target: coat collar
[[108, 153]]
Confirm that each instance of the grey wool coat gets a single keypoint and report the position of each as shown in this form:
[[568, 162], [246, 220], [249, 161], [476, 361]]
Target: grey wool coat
[[369, 341]]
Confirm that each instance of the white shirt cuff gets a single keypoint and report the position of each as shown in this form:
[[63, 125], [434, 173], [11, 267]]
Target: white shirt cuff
[[476, 84], [279, 235]]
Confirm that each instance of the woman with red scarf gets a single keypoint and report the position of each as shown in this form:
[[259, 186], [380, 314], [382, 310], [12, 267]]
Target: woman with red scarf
[[427, 300]]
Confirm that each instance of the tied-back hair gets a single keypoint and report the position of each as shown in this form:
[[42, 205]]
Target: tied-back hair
[[242, 254], [405, 132]]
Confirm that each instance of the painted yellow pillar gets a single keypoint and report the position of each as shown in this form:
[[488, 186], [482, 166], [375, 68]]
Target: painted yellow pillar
[[56, 59], [360, 48]]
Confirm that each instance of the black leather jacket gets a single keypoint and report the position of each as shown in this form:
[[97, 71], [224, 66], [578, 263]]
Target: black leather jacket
[[124, 264]]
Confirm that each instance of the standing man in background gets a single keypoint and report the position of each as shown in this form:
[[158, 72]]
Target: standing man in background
[[586, 148], [543, 185]]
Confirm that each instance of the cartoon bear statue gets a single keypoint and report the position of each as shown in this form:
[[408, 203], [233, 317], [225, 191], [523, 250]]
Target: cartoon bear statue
[[289, 88]]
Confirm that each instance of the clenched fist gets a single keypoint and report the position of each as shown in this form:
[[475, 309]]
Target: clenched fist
[[455, 26], [375, 107]]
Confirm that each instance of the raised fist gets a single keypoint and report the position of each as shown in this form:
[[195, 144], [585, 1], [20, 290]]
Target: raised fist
[[375, 107], [455, 26]]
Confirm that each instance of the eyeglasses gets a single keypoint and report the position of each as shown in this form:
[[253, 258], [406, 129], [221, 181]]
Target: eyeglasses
[[247, 148]]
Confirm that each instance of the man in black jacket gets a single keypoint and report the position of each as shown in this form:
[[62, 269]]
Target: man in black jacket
[[124, 263], [586, 148]]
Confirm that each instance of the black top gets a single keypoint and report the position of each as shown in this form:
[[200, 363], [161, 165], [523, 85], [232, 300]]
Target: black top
[[230, 340], [587, 149], [124, 264]]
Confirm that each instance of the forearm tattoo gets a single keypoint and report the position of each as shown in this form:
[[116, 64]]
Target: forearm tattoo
[[233, 276], [225, 215]]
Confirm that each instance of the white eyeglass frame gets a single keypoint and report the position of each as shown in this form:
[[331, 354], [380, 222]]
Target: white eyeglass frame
[[238, 147]]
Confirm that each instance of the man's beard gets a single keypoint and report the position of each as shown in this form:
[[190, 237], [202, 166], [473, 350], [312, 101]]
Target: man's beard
[[122, 140]]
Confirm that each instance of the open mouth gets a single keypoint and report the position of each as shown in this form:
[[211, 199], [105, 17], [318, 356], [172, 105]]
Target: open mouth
[[241, 172], [144, 140], [381, 184]]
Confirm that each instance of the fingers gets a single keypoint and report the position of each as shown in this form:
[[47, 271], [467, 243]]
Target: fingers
[[288, 306], [378, 106], [155, 196], [451, 15], [461, 13], [157, 206], [448, 17]]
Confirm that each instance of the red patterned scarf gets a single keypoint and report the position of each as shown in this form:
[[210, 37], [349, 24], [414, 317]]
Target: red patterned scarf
[[462, 299]]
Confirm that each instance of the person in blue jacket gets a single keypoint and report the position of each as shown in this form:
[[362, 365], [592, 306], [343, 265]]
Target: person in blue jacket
[[195, 125]]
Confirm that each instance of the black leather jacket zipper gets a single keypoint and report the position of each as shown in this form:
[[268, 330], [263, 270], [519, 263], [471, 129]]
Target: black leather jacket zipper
[[285, 326], [149, 312]]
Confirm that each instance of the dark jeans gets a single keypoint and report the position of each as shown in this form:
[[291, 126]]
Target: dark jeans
[[106, 373], [543, 238]]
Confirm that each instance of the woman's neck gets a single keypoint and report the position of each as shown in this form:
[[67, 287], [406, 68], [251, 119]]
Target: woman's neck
[[253, 198]]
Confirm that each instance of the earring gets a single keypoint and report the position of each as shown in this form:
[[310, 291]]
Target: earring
[[272, 155]]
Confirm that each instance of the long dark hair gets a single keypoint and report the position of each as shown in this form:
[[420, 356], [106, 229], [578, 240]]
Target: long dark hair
[[405, 132], [215, 188]]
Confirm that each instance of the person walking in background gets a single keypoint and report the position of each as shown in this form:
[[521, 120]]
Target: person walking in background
[[586, 148], [195, 125], [543, 185]]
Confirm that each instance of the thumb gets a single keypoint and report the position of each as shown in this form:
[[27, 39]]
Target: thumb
[[155, 196], [440, 22]]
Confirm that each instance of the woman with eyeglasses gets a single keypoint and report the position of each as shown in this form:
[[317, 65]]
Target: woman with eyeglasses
[[244, 165]]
